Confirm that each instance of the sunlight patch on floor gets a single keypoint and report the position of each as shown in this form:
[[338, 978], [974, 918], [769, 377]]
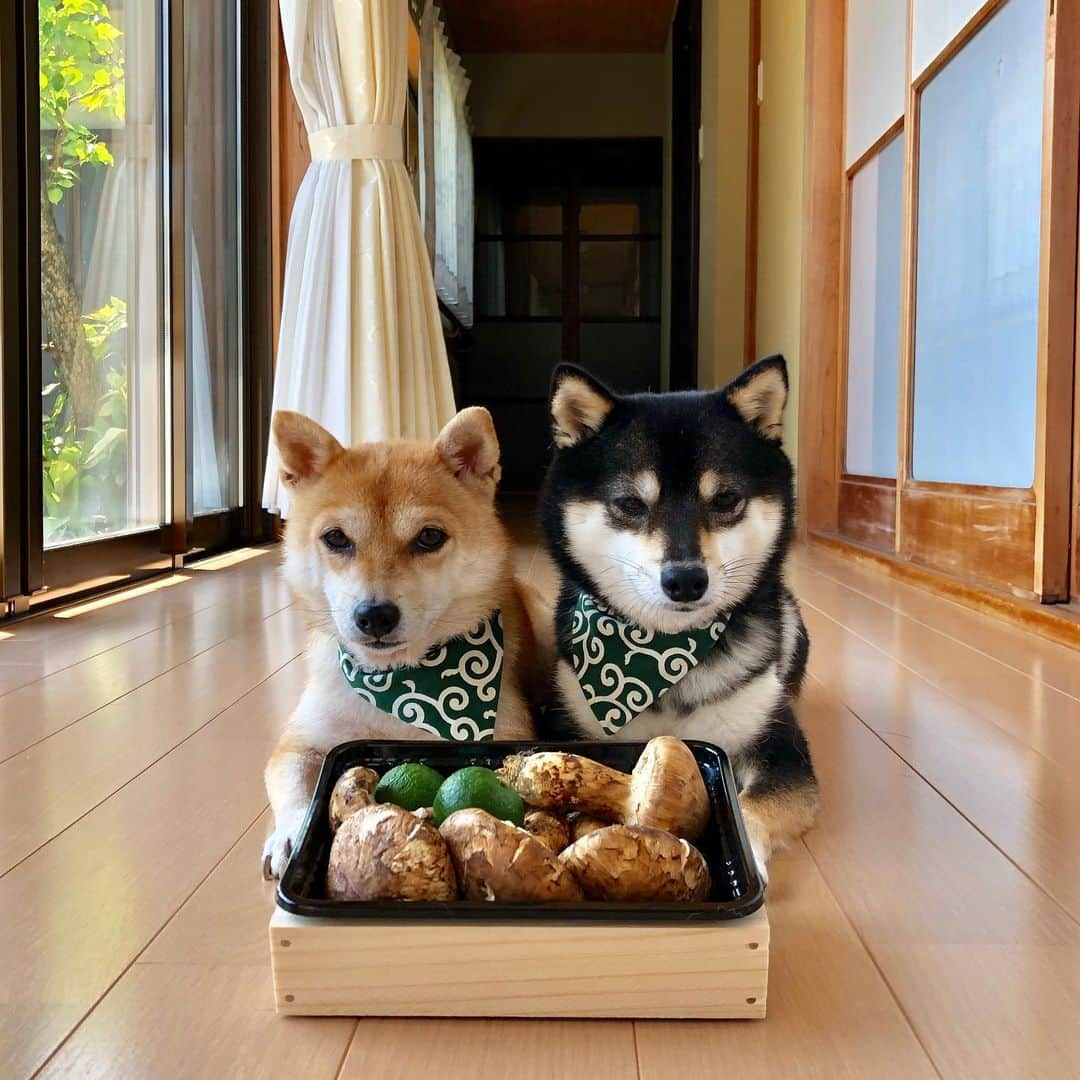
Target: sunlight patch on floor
[[121, 596], [229, 558]]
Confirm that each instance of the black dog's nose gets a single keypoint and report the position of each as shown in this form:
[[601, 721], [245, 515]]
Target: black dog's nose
[[684, 582], [376, 620]]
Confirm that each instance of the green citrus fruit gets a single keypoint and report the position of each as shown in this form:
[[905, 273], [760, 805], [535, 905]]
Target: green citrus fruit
[[479, 788], [409, 786]]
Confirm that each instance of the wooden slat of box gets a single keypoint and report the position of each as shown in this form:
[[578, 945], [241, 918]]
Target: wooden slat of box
[[333, 967]]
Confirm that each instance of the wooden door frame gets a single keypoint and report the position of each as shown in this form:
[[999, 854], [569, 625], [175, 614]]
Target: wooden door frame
[[685, 222], [1039, 562]]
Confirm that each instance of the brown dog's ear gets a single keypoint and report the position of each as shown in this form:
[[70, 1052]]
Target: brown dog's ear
[[579, 405], [470, 447], [305, 447], [759, 395]]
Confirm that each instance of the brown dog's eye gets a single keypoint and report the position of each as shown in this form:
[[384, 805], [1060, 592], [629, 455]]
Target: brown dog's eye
[[336, 540], [429, 539], [631, 506]]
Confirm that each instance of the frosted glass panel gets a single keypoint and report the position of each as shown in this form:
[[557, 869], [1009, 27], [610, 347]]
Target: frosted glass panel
[[875, 70], [934, 23], [978, 257], [877, 205]]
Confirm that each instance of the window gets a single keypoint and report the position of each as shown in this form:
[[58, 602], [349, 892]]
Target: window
[[137, 285], [212, 214], [873, 353], [977, 292], [101, 246]]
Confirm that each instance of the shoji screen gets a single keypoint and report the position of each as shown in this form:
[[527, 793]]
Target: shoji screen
[[977, 263], [875, 94], [876, 68], [947, 433]]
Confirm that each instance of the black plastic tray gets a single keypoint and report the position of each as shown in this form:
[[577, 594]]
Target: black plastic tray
[[736, 887]]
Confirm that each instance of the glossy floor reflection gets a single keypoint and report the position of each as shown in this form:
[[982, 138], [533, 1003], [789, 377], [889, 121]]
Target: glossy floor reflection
[[930, 924]]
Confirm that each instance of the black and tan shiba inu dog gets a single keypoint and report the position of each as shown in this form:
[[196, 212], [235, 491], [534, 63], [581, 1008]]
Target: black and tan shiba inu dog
[[669, 517]]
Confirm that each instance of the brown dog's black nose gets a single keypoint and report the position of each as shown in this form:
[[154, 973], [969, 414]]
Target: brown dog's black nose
[[376, 620], [684, 582]]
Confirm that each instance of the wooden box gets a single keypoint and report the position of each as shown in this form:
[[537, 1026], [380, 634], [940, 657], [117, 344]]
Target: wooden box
[[335, 967], [705, 959]]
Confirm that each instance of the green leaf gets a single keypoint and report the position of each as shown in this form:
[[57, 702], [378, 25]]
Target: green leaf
[[102, 447], [54, 194]]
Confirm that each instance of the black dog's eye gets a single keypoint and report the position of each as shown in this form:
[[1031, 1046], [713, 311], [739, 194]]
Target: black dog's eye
[[429, 539], [631, 506], [727, 502], [336, 540]]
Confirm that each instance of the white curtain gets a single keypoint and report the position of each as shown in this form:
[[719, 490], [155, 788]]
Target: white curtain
[[453, 179], [361, 347]]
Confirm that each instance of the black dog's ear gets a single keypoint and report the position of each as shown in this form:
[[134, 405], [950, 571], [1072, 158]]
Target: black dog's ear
[[579, 405], [759, 395]]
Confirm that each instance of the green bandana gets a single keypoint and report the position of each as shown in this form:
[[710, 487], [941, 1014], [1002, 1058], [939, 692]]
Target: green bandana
[[453, 692], [624, 669]]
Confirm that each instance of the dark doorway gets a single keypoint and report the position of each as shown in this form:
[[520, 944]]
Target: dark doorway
[[568, 268]]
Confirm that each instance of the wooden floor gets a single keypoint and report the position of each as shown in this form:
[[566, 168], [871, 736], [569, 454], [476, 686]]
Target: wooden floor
[[929, 925]]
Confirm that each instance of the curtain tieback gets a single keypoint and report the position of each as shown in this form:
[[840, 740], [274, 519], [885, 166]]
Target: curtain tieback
[[356, 141]]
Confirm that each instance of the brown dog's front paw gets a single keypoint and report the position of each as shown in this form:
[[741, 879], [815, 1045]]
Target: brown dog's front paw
[[279, 846]]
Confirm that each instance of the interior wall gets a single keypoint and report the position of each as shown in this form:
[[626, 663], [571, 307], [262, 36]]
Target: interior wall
[[725, 122], [780, 194], [567, 95]]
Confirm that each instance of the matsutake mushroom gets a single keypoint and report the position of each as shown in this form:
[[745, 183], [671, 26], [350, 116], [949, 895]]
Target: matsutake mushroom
[[496, 860], [637, 863], [551, 830], [354, 790], [383, 852], [665, 790], [582, 824]]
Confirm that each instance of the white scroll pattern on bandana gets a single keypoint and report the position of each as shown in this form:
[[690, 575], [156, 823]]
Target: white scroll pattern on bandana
[[452, 693], [624, 669]]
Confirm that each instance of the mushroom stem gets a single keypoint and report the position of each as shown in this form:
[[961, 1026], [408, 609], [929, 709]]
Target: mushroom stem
[[557, 781], [665, 791]]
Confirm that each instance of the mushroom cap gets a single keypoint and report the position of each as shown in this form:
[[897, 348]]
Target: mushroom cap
[[637, 863], [353, 791], [496, 860], [551, 830], [667, 790], [382, 852]]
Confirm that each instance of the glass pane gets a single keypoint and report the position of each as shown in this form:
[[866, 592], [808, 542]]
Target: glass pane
[[874, 313], [519, 279], [535, 212], [212, 212], [980, 175], [874, 71], [620, 211], [100, 270], [620, 279]]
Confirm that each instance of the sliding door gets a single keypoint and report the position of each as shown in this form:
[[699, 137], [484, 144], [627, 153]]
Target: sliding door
[[133, 121], [958, 291]]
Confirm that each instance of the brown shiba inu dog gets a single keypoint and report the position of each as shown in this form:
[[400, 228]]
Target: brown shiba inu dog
[[396, 552]]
